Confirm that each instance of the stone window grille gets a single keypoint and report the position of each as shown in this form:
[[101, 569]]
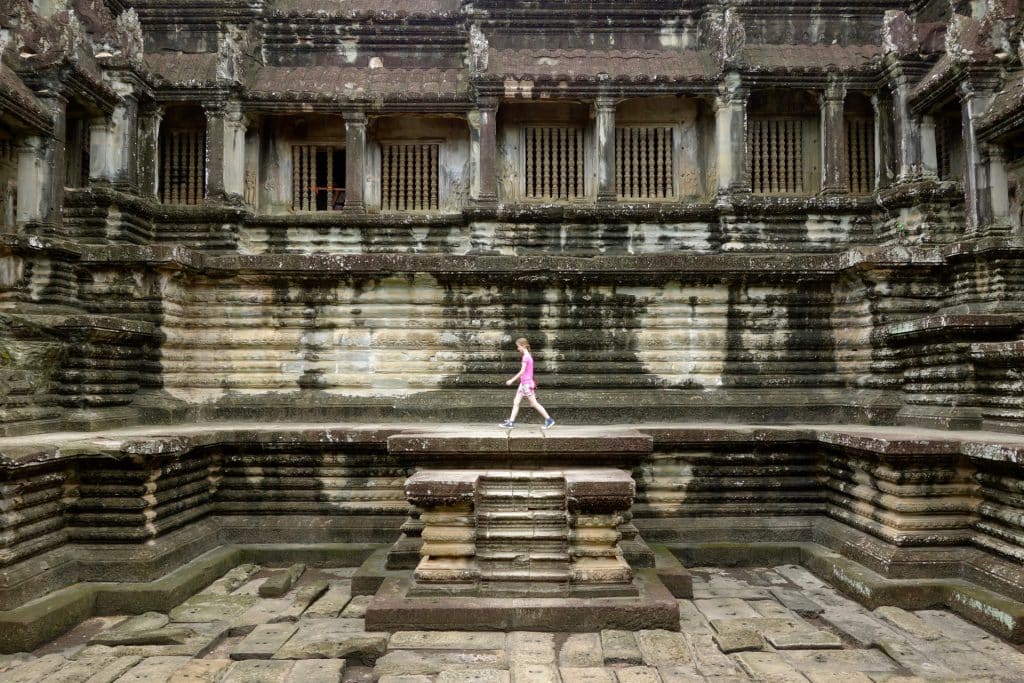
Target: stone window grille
[[860, 155], [77, 159], [8, 187], [553, 163], [775, 156], [318, 178], [183, 166], [643, 162], [409, 176]]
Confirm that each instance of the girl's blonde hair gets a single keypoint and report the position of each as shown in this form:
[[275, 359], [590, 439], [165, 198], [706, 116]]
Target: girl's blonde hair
[[523, 341]]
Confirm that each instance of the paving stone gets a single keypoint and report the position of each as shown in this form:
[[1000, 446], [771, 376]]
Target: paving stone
[[952, 626], [8, 662], [984, 657], [534, 672], [867, 661], [34, 670], [725, 608], [264, 641], [447, 640], [316, 671], [769, 666], [680, 674], [837, 677], [333, 639], [331, 603], [405, 662], [530, 647], [913, 659], [302, 599], [153, 670], [477, 676], [197, 641], [213, 607], [638, 674], [150, 621], [709, 659], [859, 626], [265, 611], [202, 671], [571, 674], [908, 622], [232, 580], [104, 669], [581, 650], [797, 602], [279, 583], [770, 609], [175, 634], [406, 679], [257, 671], [251, 587], [803, 640], [690, 618], [739, 640], [663, 647], [620, 647], [356, 607]]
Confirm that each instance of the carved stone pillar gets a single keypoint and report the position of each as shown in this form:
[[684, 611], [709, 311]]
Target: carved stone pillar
[[998, 190], [355, 161], [235, 124], [908, 144], [972, 105], [30, 180], [883, 142], [101, 164], [215, 130], [833, 141], [605, 136], [485, 131], [731, 136], [149, 150], [929, 148]]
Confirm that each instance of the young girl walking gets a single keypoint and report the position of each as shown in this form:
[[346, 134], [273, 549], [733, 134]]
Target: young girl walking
[[527, 388]]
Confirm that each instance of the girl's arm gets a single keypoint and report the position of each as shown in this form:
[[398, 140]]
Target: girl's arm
[[518, 374]]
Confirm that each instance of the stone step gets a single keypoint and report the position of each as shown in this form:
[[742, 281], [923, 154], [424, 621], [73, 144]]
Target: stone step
[[522, 534], [504, 516], [553, 573], [533, 555]]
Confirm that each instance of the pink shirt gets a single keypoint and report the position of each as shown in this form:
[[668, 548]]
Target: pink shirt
[[527, 376]]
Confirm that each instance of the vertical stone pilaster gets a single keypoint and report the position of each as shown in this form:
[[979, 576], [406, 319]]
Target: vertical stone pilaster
[[30, 180], [883, 143], [972, 105], [149, 150], [605, 138], [485, 131], [215, 130], [929, 148], [355, 161], [235, 124], [908, 144], [731, 136], [833, 141], [101, 165], [998, 190], [122, 139]]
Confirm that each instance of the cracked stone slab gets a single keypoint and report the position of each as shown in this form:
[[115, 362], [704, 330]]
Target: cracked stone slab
[[232, 580], [447, 640], [663, 647], [867, 661], [909, 622], [257, 671], [356, 607], [279, 583], [263, 641], [302, 599], [572, 674], [581, 650], [769, 666], [331, 603], [475, 676], [913, 659], [534, 672], [620, 647], [34, 670], [738, 640], [797, 602], [202, 671], [406, 662], [200, 639], [316, 671], [154, 670], [638, 674], [679, 673], [105, 669], [529, 647], [213, 607], [332, 639], [803, 640], [725, 608]]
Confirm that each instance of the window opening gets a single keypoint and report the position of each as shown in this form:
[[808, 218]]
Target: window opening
[[644, 162]]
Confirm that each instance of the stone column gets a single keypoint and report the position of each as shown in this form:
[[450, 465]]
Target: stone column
[[972, 105], [215, 130], [101, 165], [883, 143], [30, 180], [998, 190], [833, 141], [929, 148], [149, 150], [485, 129], [235, 124], [908, 145], [123, 138], [355, 162], [731, 136], [605, 137]]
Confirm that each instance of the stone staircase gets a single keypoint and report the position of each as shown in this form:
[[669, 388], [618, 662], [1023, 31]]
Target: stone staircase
[[522, 534]]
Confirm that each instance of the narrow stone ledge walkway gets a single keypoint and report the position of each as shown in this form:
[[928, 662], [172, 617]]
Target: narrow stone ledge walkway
[[778, 624]]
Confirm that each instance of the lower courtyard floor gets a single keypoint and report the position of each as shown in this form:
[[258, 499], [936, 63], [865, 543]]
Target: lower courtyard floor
[[303, 625]]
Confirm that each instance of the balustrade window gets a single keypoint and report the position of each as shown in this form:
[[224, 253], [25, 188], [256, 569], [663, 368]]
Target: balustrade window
[[776, 155], [409, 176], [183, 166], [949, 147], [553, 163], [860, 155], [318, 178], [76, 154], [644, 162]]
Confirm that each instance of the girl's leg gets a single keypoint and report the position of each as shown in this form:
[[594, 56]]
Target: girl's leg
[[538, 407], [515, 407]]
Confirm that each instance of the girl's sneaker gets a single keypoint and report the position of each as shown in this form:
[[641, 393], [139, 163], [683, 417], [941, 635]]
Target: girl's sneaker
[[508, 424], [549, 423]]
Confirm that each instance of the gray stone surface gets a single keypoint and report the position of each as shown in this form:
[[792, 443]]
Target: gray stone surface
[[330, 603], [257, 671], [620, 647], [263, 641], [581, 650], [447, 640], [279, 583]]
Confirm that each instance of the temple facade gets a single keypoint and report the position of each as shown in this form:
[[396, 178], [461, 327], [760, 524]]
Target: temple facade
[[785, 236]]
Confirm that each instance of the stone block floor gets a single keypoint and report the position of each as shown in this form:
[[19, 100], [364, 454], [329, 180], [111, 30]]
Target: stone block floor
[[773, 624]]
